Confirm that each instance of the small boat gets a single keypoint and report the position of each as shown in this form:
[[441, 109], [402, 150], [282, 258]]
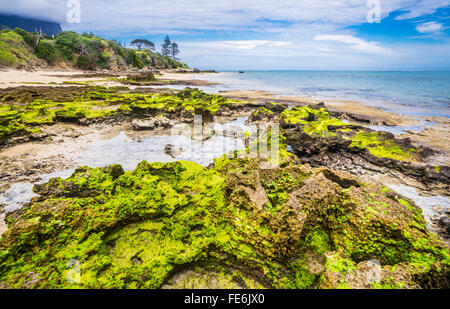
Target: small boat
[[241, 72]]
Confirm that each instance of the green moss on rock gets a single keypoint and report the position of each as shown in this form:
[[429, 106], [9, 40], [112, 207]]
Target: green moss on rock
[[22, 112], [289, 227], [319, 123], [315, 121], [380, 147]]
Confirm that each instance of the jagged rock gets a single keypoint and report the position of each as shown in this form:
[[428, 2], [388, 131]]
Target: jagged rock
[[143, 76], [151, 124], [444, 222], [231, 131], [372, 120], [326, 141], [311, 227], [173, 150]]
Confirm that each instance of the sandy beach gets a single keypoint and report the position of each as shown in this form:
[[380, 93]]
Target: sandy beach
[[15, 78]]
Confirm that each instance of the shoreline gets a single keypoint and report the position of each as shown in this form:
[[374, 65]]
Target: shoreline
[[434, 131], [424, 130]]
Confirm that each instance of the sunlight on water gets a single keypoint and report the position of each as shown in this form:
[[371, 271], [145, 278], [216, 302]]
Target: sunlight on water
[[426, 203]]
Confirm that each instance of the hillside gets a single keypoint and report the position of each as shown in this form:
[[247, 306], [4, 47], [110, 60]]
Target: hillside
[[68, 49]]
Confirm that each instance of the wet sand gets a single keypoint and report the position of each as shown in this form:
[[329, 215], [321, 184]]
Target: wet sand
[[15, 78], [25, 162]]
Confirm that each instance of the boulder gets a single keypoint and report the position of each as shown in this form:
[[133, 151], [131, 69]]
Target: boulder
[[172, 150], [151, 124]]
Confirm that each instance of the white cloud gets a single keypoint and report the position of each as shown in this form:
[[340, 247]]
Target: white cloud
[[291, 34], [240, 44], [429, 27], [355, 43], [416, 9], [143, 16], [49, 10], [325, 50]]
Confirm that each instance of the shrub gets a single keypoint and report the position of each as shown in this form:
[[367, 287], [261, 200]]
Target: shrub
[[96, 45], [118, 50], [103, 60], [47, 51], [87, 62], [68, 43], [133, 59], [27, 37]]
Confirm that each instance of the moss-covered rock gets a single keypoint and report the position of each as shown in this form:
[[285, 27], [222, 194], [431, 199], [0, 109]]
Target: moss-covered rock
[[235, 225], [25, 109], [319, 123]]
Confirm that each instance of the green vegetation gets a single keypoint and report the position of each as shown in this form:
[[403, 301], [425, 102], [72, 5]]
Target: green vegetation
[[14, 50], [85, 51], [380, 147], [99, 102], [136, 229], [170, 48], [317, 123]]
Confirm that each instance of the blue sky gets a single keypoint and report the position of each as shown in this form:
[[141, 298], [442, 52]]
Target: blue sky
[[267, 34]]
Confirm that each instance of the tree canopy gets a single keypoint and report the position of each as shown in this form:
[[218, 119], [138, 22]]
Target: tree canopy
[[142, 43], [170, 48], [166, 47], [174, 50]]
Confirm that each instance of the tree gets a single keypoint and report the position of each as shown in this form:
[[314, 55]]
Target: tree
[[39, 36], [174, 50], [167, 47], [148, 44], [142, 43]]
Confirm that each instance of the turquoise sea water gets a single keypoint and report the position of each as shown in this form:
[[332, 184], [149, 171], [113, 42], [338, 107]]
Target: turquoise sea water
[[413, 93]]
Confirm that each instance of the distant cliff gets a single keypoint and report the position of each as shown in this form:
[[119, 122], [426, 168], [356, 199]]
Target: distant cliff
[[29, 24]]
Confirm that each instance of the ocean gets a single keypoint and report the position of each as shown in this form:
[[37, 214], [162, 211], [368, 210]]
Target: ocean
[[411, 93]]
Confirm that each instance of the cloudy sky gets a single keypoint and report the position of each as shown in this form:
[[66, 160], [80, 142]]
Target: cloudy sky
[[269, 34]]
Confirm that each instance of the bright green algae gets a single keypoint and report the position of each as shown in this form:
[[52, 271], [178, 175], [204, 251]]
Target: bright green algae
[[316, 123], [137, 229], [100, 103], [287, 227], [380, 147]]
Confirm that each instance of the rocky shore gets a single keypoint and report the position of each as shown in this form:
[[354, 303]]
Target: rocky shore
[[326, 217]]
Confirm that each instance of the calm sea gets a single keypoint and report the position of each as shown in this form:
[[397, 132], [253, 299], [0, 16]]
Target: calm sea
[[413, 93]]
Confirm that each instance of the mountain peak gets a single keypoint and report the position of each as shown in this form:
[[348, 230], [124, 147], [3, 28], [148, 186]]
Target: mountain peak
[[29, 24]]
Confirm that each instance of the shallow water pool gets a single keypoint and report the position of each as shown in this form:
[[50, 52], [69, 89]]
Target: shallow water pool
[[128, 152]]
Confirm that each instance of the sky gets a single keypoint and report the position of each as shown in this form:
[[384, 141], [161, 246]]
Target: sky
[[269, 34]]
